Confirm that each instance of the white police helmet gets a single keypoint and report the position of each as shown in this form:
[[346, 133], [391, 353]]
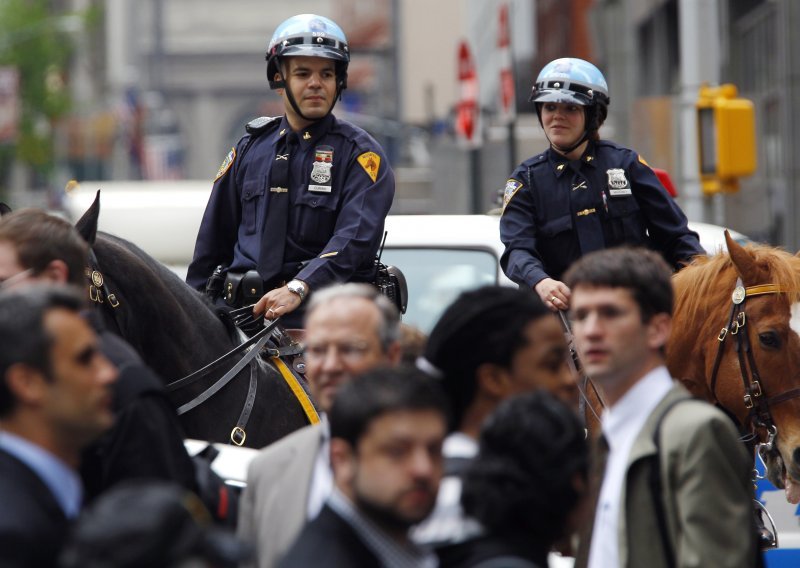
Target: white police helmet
[[308, 35]]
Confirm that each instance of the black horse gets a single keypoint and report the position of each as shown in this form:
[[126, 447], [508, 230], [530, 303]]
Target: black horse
[[176, 331]]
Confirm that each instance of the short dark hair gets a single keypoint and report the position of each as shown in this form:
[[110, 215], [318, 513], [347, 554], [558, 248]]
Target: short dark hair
[[380, 391], [39, 238], [23, 338], [485, 325], [522, 483], [644, 272]]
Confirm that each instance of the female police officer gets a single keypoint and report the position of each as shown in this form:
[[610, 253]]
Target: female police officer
[[583, 193], [300, 201]]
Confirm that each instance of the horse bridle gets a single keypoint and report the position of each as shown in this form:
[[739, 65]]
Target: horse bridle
[[100, 294], [757, 404]]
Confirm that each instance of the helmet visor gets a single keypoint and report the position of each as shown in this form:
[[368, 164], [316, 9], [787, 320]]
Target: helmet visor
[[560, 96]]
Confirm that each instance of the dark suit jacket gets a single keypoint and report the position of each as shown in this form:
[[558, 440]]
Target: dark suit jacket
[[329, 541], [32, 524]]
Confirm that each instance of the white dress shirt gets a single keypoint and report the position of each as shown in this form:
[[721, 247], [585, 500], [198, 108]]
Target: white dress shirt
[[322, 476], [621, 425]]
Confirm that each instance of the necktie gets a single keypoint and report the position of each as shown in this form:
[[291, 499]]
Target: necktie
[[273, 239], [587, 215]]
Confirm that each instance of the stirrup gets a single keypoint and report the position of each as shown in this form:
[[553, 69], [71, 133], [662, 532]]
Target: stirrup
[[767, 535]]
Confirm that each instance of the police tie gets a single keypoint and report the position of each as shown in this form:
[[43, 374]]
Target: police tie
[[273, 239], [587, 216]]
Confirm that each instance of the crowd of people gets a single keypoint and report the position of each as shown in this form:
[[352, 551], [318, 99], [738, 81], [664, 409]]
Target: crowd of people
[[461, 449]]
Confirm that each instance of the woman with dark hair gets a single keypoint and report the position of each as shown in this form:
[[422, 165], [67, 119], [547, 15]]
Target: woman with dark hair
[[526, 486]]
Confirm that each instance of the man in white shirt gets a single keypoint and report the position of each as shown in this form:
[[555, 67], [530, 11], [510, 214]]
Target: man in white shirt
[[55, 399], [349, 329], [676, 488]]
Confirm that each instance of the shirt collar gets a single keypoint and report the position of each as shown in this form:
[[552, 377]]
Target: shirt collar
[[62, 480], [311, 133], [390, 553], [560, 164], [637, 404]]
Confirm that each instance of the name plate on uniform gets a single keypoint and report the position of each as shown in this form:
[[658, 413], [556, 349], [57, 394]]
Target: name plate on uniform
[[618, 192], [319, 188]]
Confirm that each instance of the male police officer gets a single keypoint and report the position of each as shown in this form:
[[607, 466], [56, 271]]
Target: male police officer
[[300, 201]]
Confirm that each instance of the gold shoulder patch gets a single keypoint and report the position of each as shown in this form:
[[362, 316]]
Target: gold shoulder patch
[[371, 162], [512, 186], [226, 164], [642, 160]]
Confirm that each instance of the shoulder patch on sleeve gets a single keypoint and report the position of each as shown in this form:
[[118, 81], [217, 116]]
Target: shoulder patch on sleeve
[[371, 162], [226, 164], [512, 186], [642, 160]]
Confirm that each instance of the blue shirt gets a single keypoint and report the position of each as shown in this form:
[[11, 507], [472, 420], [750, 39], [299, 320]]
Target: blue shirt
[[341, 189], [63, 481], [609, 197]]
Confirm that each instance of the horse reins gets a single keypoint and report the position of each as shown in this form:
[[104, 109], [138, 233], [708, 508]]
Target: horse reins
[[757, 405]]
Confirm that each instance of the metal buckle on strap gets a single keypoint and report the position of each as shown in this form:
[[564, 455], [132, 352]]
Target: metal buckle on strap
[[238, 435]]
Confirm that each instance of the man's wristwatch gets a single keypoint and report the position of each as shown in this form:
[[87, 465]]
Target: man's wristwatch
[[297, 287]]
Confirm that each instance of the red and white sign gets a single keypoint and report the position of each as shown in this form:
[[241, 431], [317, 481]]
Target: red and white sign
[[508, 107], [468, 119]]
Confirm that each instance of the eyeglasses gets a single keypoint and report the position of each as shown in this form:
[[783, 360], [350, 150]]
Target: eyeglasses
[[18, 277], [348, 352]]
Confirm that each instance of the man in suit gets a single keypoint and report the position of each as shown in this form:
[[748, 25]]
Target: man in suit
[[55, 399], [387, 430], [147, 439], [676, 489], [350, 328]]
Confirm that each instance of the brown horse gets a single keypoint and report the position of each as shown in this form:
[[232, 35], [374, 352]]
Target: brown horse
[[735, 343]]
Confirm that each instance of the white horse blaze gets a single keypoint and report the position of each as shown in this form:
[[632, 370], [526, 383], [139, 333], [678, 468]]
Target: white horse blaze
[[794, 322]]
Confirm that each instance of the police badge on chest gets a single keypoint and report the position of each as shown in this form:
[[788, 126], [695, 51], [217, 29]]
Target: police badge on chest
[[618, 184], [321, 170]]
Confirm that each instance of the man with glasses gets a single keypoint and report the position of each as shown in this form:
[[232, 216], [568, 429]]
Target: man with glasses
[[350, 329]]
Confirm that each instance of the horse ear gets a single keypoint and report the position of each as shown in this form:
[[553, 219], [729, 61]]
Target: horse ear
[[4, 209], [745, 264], [87, 224]]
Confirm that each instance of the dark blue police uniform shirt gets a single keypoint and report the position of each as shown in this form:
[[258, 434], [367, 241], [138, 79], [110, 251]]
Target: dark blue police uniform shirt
[[610, 195], [335, 226]]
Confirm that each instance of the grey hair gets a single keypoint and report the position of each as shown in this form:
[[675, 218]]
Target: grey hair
[[389, 328]]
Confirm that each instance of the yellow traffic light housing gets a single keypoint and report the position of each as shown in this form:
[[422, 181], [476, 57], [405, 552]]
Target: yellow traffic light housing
[[727, 138]]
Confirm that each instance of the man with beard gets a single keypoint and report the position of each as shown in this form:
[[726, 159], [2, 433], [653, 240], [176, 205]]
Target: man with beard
[[387, 430]]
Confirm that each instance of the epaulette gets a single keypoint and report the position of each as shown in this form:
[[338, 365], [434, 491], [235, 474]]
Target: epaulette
[[257, 125]]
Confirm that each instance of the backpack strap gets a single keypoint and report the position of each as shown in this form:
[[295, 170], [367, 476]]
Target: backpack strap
[[657, 485]]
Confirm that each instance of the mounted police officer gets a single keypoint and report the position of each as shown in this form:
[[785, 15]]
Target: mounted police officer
[[300, 201], [582, 194]]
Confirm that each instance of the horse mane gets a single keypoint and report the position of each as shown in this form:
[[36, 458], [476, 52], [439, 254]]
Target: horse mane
[[709, 280], [173, 313]]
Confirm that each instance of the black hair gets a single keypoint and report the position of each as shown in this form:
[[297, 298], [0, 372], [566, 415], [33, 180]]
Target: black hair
[[23, 337], [378, 392], [481, 326], [644, 272], [523, 481]]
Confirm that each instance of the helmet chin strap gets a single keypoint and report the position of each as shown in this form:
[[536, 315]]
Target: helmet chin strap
[[568, 149]]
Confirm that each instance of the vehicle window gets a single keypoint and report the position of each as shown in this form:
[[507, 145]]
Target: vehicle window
[[436, 277]]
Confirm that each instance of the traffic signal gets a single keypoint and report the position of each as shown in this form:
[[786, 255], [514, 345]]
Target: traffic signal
[[727, 138]]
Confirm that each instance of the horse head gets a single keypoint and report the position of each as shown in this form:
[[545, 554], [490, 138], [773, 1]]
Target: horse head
[[736, 344]]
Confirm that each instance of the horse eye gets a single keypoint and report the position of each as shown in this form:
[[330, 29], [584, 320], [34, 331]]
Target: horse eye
[[769, 340]]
